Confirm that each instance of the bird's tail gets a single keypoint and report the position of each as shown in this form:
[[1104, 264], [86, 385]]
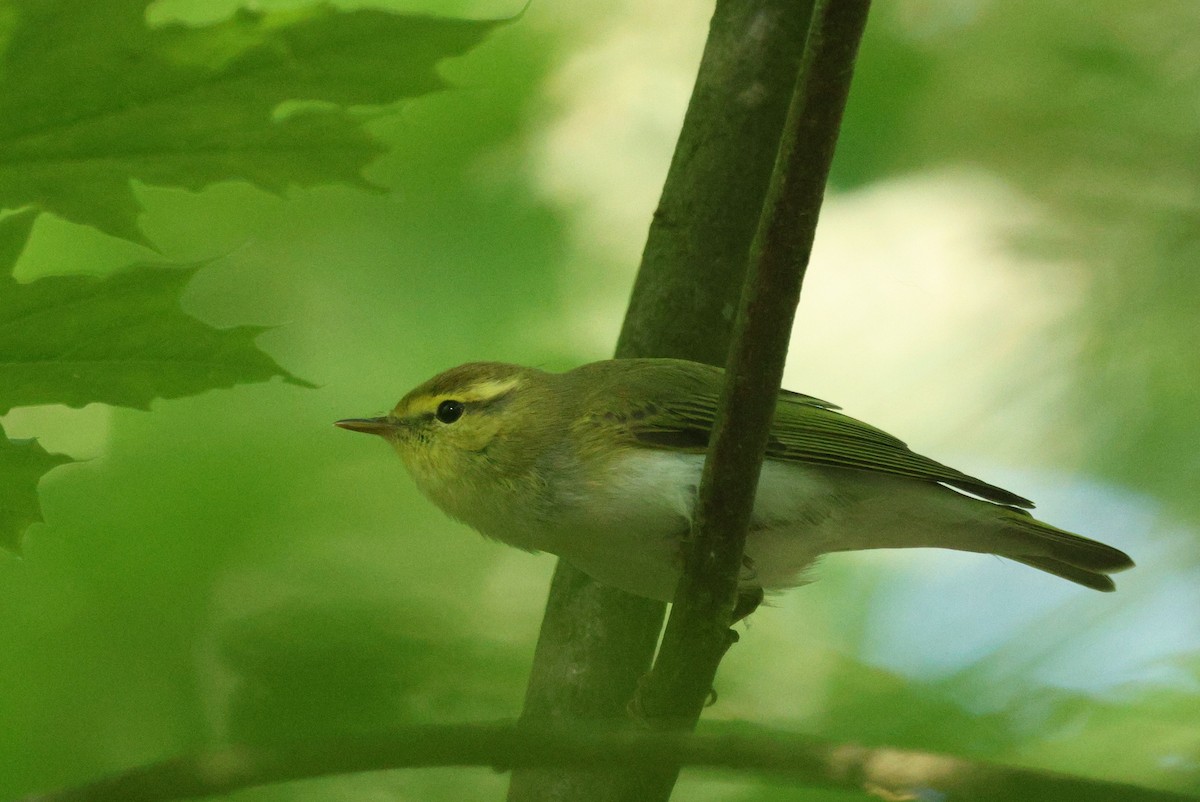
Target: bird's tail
[[1073, 557]]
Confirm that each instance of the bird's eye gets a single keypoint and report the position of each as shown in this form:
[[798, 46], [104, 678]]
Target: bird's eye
[[450, 411]]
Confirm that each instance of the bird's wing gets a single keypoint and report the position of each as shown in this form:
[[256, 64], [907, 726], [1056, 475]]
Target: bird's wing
[[805, 430], [812, 433]]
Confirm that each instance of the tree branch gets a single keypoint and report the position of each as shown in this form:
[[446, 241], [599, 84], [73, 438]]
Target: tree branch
[[900, 773], [698, 634], [596, 642]]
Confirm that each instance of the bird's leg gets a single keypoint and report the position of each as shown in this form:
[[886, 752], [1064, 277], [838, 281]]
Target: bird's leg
[[749, 596], [747, 602]]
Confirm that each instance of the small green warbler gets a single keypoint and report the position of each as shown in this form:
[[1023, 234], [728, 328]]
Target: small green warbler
[[600, 465]]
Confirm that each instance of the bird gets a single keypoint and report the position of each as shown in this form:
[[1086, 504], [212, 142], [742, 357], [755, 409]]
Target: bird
[[601, 465]]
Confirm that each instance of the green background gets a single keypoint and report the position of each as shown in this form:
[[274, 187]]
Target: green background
[[229, 566]]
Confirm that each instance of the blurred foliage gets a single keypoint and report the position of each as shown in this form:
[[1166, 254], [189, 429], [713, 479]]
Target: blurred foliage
[[189, 106], [322, 669], [120, 340], [176, 106], [228, 566], [22, 464], [1089, 110]]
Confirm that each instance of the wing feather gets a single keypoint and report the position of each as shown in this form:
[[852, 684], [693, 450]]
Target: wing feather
[[677, 407]]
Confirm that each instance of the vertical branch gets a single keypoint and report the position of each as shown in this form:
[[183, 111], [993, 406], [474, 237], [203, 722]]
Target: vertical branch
[[596, 642], [698, 634], [694, 264]]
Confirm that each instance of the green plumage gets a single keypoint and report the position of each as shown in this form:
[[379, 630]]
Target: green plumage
[[601, 465], [666, 403]]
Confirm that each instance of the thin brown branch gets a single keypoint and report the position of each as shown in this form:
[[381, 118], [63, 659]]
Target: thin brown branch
[[900, 773], [698, 634]]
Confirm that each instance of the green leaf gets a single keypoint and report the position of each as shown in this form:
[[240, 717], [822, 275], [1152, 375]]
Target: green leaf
[[90, 97], [120, 340], [22, 465]]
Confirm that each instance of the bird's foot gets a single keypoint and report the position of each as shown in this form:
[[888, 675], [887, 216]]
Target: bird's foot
[[748, 600]]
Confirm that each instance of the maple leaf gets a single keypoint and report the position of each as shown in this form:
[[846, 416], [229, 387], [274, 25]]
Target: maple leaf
[[91, 97], [22, 465], [121, 339]]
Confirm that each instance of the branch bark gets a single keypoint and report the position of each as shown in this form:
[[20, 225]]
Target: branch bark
[[595, 642], [698, 633], [892, 773]]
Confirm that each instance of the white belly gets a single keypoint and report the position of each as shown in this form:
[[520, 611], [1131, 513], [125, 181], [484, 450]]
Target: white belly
[[627, 529]]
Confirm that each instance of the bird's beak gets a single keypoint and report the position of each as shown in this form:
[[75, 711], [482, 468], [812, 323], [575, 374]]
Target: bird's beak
[[380, 426]]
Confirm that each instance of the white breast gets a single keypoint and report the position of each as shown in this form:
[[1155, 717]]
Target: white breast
[[625, 529]]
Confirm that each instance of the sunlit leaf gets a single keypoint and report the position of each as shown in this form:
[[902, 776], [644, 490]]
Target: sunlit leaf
[[121, 339], [90, 97]]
